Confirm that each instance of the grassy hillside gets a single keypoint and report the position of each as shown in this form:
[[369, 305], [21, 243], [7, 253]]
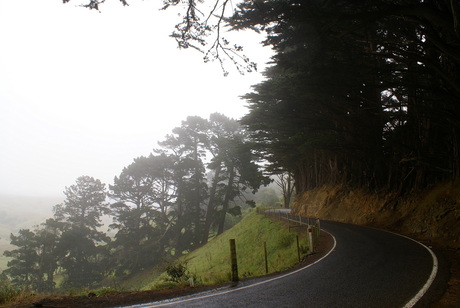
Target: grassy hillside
[[210, 264]]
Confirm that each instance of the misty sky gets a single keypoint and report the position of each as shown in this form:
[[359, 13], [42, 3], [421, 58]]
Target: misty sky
[[83, 93]]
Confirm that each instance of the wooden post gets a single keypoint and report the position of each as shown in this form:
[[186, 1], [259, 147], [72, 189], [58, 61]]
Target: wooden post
[[233, 259], [298, 247], [266, 257], [319, 229]]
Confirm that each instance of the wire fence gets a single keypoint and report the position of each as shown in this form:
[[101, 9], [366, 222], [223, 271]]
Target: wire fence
[[295, 223], [312, 225]]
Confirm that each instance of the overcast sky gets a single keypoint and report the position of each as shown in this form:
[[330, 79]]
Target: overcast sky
[[84, 93]]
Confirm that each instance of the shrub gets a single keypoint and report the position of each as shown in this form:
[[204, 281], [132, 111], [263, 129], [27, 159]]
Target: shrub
[[179, 273], [8, 292], [285, 240]]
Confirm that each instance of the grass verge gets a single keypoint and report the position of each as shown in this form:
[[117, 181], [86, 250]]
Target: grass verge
[[210, 264]]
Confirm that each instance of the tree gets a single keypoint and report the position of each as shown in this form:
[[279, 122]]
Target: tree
[[34, 262], [84, 204], [47, 238], [285, 183], [81, 245], [235, 169], [23, 267], [217, 147], [221, 129], [187, 146], [360, 93], [144, 192]]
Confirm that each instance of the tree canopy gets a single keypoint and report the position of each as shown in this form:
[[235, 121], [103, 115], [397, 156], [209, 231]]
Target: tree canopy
[[360, 93], [161, 206]]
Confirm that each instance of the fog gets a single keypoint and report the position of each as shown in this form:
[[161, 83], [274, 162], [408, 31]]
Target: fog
[[83, 92]]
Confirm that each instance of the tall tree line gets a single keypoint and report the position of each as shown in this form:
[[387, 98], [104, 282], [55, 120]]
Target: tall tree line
[[362, 93], [162, 206]]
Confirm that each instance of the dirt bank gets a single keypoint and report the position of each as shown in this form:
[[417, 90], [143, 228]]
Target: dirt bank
[[432, 215]]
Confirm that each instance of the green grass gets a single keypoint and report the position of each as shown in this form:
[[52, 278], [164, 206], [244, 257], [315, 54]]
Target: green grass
[[210, 264]]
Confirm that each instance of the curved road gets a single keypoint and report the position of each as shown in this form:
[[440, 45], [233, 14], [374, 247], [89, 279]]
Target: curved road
[[366, 268]]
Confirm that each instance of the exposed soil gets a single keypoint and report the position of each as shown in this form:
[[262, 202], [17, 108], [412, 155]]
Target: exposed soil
[[431, 216], [118, 299]]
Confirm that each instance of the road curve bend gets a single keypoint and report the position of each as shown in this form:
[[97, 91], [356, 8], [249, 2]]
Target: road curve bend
[[366, 268]]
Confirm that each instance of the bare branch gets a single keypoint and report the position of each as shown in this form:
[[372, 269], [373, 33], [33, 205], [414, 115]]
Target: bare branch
[[201, 28]]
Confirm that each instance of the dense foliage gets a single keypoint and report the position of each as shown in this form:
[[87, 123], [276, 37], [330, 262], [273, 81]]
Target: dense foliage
[[162, 206], [362, 93]]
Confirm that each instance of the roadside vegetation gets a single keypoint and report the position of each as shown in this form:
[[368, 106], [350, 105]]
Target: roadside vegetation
[[210, 264], [160, 207], [207, 265]]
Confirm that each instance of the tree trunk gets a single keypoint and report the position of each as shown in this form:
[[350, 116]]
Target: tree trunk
[[226, 202], [211, 205]]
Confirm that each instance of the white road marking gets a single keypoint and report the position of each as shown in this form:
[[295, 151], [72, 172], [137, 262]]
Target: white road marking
[[163, 304], [409, 304], [430, 279]]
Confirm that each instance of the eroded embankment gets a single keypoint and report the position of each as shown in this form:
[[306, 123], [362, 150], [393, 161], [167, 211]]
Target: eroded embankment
[[433, 214]]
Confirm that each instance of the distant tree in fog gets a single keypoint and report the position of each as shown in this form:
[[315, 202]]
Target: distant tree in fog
[[81, 244], [34, 261], [285, 181], [143, 192]]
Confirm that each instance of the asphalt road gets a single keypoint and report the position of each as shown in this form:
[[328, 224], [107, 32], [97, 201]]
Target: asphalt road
[[366, 268]]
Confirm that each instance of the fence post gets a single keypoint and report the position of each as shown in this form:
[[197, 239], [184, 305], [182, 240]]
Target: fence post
[[298, 247], [233, 259], [310, 239], [318, 229], [266, 257]]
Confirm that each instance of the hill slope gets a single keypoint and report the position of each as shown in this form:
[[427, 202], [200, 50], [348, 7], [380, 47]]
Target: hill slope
[[210, 264], [433, 214]]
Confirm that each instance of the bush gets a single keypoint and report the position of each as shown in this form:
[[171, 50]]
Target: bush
[[106, 290], [179, 273], [8, 292], [285, 240]]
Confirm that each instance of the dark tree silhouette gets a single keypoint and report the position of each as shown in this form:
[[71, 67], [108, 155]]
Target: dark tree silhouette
[[81, 244]]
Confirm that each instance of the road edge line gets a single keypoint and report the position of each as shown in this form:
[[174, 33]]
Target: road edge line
[[172, 302], [431, 278]]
